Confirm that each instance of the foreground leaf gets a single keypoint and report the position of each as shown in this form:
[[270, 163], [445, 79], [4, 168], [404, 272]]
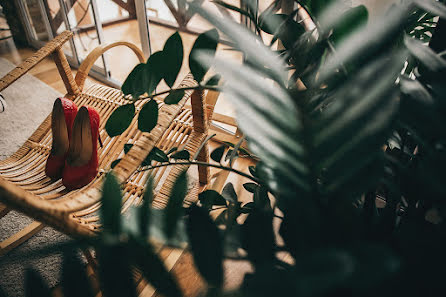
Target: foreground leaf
[[74, 280], [174, 97], [209, 198], [206, 41], [35, 285], [206, 245], [153, 269], [120, 120], [173, 52], [111, 205], [174, 208], [148, 116]]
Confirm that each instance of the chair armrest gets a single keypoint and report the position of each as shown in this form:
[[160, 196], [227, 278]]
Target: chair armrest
[[89, 61], [32, 61]]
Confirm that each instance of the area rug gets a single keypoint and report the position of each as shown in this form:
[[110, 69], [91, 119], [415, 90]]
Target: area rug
[[28, 102]]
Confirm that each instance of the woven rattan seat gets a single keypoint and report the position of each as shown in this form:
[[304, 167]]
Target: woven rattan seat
[[24, 186]]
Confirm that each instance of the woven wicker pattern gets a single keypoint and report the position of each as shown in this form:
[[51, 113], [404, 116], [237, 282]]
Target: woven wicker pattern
[[25, 187]]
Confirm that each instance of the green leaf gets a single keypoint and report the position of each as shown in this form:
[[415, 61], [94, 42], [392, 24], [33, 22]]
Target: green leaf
[[228, 193], [148, 116], [258, 237], [120, 120], [157, 232], [217, 154], [158, 155], [136, 81], [74, 278], [261, 199], [351, 20], [172, 150], [174, 97], [114, 268], [425, 55], [252, 170], [154, 70], [153, 269], [214, 80], [114, 163], [271, 22], [222, 218], [173, 54], [35, 285], [250, 187], [432, 6], [111, 205], [206, 245], [234, 8], [174, 208], [144, 209], [209, 198], [127, 147], [206, 41], [247, 208], [183, 155]]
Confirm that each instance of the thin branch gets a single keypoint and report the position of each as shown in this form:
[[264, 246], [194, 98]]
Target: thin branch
[[202, 164], [199, 87]]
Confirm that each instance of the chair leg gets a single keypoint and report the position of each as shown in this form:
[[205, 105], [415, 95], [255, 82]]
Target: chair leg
[[203, 171], [20, 237], [200, 124]]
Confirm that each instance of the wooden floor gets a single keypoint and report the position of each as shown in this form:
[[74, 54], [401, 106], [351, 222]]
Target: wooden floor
[[179, 262]]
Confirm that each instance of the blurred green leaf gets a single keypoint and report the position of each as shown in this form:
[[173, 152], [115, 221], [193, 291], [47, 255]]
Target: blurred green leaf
[[425, 55], [214, 80], [153, 269], [206, 41], [351, 20], [35, 286], [174, 208], [258, 238], [174, 97], [173, 53], [74, 278], [234, 8], [120, 120], [144, 209], [206, 245], [432, 6], [114, 269], [111, 205], [148, 116]]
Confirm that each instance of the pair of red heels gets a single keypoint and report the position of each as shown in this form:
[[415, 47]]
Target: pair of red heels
[[74, 154]]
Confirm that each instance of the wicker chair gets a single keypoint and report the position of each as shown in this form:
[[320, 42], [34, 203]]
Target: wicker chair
[[24, 186]]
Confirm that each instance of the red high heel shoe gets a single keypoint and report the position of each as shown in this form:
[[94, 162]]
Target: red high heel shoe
[[81, 165], [62, 118]]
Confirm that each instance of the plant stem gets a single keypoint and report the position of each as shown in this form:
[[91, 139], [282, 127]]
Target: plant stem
[[180, 89], [203, 164]]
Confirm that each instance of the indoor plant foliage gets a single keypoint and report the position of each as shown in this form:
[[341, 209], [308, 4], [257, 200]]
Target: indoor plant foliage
[[352, 154]]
